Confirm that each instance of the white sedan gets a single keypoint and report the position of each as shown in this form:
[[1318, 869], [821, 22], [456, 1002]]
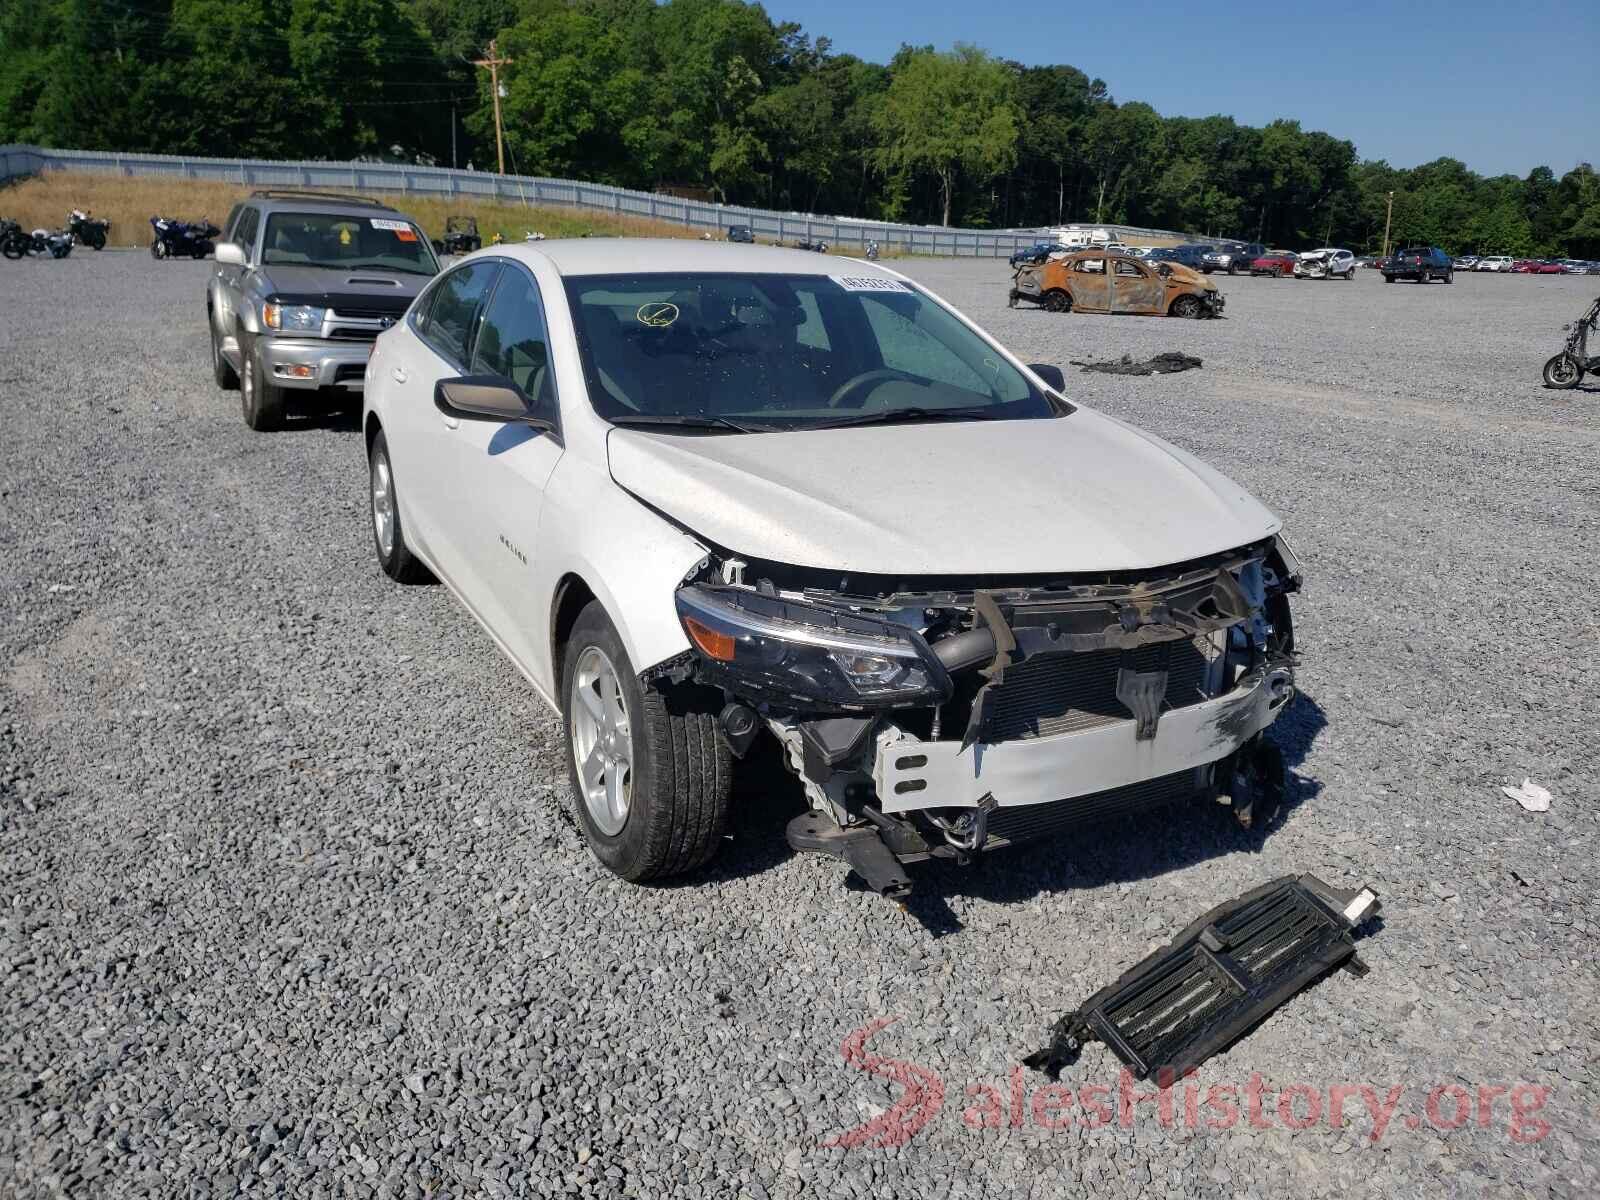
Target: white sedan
[[704, 493]]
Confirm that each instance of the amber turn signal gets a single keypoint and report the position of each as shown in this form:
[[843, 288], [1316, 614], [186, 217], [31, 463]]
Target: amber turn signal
[[712, 644]]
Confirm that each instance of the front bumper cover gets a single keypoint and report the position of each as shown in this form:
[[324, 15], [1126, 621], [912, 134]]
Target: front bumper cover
[[329, 363]]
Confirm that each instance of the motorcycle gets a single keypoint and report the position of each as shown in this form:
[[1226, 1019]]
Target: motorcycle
[[872, 251], [1567, 369], [182, 239], [90, 231], [16, 242]]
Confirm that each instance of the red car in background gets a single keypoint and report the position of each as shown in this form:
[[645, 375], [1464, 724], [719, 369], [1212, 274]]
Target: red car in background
[[1524, 266], [1549, 268], [1277, 263]]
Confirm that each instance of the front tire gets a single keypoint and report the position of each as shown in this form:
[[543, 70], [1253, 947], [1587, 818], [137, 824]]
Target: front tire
[[388, 535], [262, 404], [1388, 278], [1187, 307], [649, 772], [221, 370], [1563, 371]]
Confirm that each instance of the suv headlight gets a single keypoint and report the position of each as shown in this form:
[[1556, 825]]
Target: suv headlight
[[781, 650], [293, 318]]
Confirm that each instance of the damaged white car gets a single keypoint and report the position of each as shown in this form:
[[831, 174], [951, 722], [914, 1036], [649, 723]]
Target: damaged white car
[[702, 493]]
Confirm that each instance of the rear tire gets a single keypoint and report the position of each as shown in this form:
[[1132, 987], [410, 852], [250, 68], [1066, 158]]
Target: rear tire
[[388, 534], [1388, 278], [262, 404], [1057, 301], [1449, 276], [656, 803]]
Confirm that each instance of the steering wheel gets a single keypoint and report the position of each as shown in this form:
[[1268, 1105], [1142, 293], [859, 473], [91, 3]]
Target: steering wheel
[[876, 375]]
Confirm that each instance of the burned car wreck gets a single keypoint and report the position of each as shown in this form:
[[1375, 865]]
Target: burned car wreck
[[940, 718]]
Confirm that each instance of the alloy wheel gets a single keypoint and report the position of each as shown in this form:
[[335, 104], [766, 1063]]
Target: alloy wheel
[[602, 741], [383, 503]]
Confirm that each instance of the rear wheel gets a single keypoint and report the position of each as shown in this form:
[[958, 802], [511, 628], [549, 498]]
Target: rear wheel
[[1563, 371], [1057, 301], [262, 404], [96, 239], [1187, 307], [649, 771], [388, 538], [1450, 276], [1388, 278], [1277, 272]]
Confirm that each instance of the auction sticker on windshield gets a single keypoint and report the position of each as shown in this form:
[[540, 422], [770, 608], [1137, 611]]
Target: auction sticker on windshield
[[868, 283], [386, 223]]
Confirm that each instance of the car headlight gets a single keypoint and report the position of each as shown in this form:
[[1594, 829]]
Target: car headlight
[[293, 318], [789, 652]]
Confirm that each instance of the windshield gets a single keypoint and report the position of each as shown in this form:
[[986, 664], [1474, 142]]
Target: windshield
[[385, 243], [778, 352]]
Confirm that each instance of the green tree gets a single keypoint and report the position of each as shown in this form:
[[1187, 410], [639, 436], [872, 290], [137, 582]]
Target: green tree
[[948, 113]]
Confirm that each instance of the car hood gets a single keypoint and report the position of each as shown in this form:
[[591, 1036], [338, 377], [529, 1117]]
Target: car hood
[[1081, 493], [386, 290], [1178, 273]]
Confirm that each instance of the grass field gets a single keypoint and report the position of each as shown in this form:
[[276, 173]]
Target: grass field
[[130, 201]]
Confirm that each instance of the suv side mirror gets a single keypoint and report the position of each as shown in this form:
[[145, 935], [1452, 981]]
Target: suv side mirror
[[1051, 375], [488, 398], [230, 254]]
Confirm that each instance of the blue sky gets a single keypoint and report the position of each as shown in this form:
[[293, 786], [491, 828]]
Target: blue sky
[[1502, 86]]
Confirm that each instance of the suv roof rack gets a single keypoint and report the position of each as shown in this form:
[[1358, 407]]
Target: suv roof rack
[[309, 194]]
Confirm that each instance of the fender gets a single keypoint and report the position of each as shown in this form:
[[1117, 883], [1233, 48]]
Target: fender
[[628, 556]]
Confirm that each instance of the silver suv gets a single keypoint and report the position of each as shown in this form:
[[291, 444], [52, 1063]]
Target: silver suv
[[304, 282]]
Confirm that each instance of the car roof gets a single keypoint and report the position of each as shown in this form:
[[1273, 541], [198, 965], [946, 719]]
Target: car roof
[[644, 256], [332, 207]]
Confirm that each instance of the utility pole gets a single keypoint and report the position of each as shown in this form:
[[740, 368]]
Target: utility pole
[[494, 62], [1386, 218]]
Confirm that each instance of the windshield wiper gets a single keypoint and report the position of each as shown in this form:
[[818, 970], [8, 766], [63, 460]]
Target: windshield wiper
[[684, 421], [893, 415]]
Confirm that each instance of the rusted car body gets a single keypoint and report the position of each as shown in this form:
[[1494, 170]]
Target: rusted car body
[[1094, 281]]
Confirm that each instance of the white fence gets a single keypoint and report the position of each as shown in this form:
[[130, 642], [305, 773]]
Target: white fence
[[443, 183]]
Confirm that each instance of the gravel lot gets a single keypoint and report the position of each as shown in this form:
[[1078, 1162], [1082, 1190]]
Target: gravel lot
[[292, 905]]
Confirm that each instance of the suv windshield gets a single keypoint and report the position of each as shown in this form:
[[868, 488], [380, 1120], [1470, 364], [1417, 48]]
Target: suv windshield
[[382, 243], [778, 352]]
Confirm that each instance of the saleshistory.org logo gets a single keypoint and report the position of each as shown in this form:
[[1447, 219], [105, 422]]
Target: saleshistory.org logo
[[1012, 1104]]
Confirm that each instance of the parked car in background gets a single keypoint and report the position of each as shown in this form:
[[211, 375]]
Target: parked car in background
[[1094, 281], [1277, 263], [1419, 264], [304, 282], [1231, 257], [1549, 266], [741, 233], [1523, 266], [1466, 262], [1368, 260], [704, 493], [1493, 262], [1327, 263], [1035, 253]]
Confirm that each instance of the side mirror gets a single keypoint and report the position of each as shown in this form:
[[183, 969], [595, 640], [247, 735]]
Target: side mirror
[[1051, 375], [230, 254], [488, 398]]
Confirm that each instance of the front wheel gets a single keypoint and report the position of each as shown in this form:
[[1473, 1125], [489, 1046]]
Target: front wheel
[[649, 772], [262, 404], [1449, 276], [1563, 371], [1188, 307], [1388, 278], [158, 249]]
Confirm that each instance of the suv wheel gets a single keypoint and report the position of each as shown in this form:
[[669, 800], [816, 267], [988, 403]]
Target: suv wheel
[[262, 403], [649, 771], [1450, 276], [388, 537], [227, 378]]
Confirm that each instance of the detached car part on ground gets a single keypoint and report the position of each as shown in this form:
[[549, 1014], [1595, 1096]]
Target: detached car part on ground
[[1096, 282], [1217, 979], [304, 282], [703, 493]]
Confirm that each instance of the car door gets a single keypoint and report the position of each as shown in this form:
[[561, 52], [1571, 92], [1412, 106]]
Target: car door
[[229, 294], [437, 344], [503, 467], [1090, 285], [1135, 288]]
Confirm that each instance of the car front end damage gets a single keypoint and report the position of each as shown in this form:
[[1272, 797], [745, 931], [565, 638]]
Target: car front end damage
[[937, 718]]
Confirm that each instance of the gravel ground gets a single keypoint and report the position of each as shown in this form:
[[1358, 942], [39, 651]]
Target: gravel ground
[[292, 906]]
